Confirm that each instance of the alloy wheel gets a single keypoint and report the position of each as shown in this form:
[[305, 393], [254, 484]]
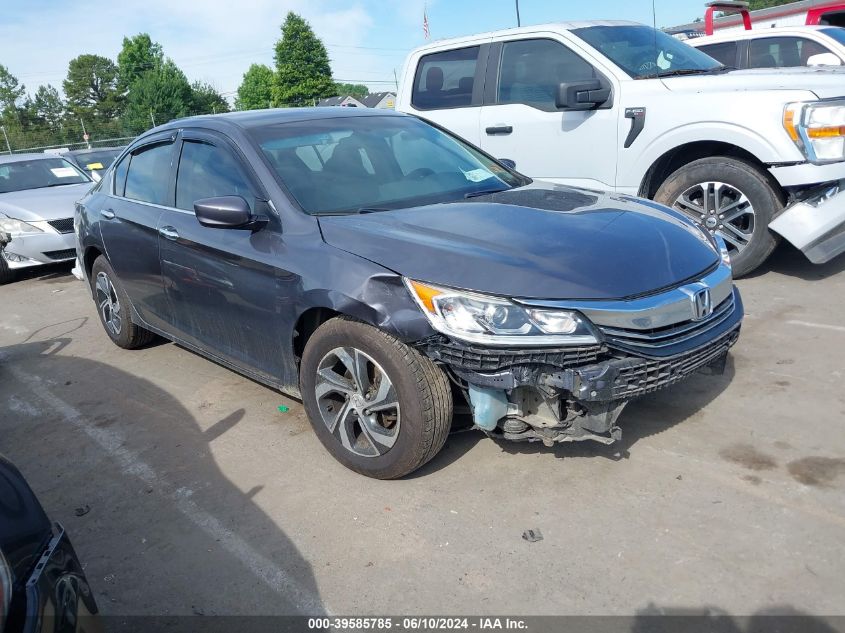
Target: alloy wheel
[[358, 402], [108, 304], [722, 210]]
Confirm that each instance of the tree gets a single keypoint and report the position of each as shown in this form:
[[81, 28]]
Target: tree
[[11, 91], [91, 87], [47, 106], [158, 95], [138, 55], [303, 73], [765, 4], [256, 89], [206, 100], [359, 91]]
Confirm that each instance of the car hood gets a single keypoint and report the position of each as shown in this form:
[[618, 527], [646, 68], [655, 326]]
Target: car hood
[[824, 82], [48, 203], [542, 241]]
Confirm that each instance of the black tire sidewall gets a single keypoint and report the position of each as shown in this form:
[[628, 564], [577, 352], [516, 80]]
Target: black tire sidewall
[[413, 440], [125, 339], [763, 194]]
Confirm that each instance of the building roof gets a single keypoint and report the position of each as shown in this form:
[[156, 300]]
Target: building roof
[[373, 99]]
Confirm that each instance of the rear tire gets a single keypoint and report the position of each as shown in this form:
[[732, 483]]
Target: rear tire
[[114, 308], [7, 275], [409, 395], [737, 200]]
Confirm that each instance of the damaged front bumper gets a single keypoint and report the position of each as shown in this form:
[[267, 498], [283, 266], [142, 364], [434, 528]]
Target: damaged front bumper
[[574, 393], [815, 223]]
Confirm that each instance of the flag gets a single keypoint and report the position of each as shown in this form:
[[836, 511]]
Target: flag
[[426, 32]]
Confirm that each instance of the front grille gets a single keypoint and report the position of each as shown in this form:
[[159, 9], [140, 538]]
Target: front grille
[[65, 225], [650, 375], [494, 359], [670, 334], [68, 253]]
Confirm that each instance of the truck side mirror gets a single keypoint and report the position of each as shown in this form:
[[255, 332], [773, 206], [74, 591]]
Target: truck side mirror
[[824, 59], [581, 95]]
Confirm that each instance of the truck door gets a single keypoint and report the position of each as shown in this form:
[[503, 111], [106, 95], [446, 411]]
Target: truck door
[[521, 121]]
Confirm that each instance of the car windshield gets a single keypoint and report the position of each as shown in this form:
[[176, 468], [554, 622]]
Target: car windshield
[[376, 163], [39, 173], [835, 32], [644, 52], [97, 161]]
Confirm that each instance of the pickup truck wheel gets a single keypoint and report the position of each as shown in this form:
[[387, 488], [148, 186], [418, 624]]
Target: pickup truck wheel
[[730, 198], [379, 407], [113, 307]]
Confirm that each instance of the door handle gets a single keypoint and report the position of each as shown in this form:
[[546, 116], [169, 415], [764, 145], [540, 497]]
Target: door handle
[[499, 129], [108, 214], [169, 232]]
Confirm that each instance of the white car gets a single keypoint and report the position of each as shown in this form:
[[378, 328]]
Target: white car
[[620, 106], [782, 47]]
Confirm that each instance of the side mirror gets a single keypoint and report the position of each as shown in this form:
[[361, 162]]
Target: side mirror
[[824, 59], [226, 212], [581, 95], [509, 163]]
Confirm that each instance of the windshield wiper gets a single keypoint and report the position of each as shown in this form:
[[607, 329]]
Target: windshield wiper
[[687, 71], [371, 209], [483, 192]]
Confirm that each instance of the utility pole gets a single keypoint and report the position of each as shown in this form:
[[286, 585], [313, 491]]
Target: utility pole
[[84, 133], [8, 147], [396, 80], [518, 22], [152, 118]]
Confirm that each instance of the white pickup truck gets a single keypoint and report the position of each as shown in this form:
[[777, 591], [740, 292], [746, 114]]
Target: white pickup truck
[[750, 155]]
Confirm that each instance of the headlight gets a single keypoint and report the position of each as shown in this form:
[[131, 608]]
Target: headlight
[[478, 318], [5, 590], [818, 129], [16, 228]]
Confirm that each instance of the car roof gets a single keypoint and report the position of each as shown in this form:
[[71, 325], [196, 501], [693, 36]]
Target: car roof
[[14, 158], [81, 152], [548, 26], [729, 36], [256, 118]]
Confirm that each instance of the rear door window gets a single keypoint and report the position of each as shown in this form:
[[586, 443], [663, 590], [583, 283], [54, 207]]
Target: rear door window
[[209, 171], [532, 70], [723, 52], [148, 176], [445, 80], [782, 52]]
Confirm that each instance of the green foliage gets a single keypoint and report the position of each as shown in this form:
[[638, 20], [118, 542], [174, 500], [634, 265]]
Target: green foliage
[[359, 91], [138, 55], [256, 89], [765, 4], [91, 88], [206, 100], [159, 94], [303, 73], [10, 91], [47, 107]]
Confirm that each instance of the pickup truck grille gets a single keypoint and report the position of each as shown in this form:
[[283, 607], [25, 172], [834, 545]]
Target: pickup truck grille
[[670, 335]]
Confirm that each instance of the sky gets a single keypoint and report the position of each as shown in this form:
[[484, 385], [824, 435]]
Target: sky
[[216, 41]]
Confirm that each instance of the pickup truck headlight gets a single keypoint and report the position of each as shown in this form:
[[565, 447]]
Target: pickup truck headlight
[[818, 129], [477, 318], [16, 228]]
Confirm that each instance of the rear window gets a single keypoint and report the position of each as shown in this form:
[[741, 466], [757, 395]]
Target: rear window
[[723, 52], [445, 80]]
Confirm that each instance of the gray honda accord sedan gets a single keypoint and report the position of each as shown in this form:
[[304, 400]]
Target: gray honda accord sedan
[[382, 269]]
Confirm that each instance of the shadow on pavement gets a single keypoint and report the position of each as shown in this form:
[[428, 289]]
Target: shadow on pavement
[[788, 260], [168, 533], [707, 619]]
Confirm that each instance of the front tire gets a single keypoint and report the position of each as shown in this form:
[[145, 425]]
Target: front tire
[[114, 308], [379, 407], [731, 198]]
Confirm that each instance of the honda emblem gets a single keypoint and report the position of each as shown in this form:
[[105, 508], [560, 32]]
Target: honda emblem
[[702, 304]]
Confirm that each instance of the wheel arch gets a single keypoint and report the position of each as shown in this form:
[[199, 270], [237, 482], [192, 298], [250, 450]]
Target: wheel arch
[[675, 158]]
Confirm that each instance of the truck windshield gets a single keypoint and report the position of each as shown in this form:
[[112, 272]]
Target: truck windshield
[[376, 163], [644, 52]]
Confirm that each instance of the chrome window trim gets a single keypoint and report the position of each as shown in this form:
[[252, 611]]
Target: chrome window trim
[[646, 313]]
